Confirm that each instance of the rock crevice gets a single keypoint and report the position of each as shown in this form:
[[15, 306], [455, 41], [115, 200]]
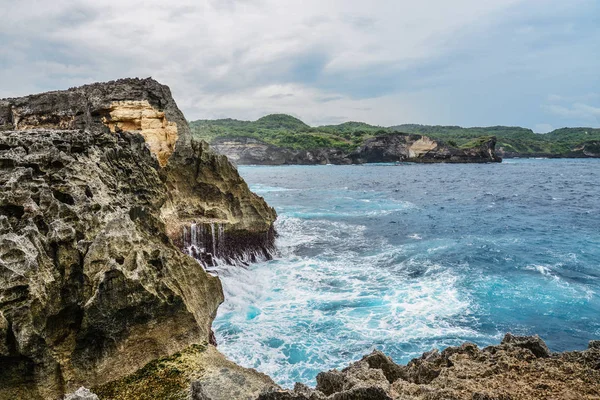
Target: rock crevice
[[96, 183]]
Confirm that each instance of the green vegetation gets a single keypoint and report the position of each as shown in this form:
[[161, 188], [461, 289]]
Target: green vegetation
[[289, 132], [475, 142], [286, 131], [166, 378]]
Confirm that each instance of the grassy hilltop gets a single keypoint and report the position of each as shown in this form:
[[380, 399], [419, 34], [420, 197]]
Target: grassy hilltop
[[290, 132]]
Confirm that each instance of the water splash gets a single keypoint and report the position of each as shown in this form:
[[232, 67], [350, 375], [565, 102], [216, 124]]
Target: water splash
[[412, 257], [207, 243]]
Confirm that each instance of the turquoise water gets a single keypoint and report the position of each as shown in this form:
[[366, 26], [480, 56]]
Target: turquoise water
[[405, 258]]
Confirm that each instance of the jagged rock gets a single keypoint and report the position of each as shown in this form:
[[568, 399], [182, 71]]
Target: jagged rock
[[96, 185], [81, 394], [391, 370], [533, 343], [508, 371], [384, 148]]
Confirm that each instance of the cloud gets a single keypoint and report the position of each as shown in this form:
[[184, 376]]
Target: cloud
[[543, 128], [575, 111], [388, 61]]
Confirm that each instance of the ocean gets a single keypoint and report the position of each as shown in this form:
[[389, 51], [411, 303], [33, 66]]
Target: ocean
[[408, 257]]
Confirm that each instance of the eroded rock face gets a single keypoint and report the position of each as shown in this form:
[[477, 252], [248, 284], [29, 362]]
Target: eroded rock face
[[198, 372], [249, 151], [93, 284], [385, 148], [139, 116], [521, 367], [417, 148]]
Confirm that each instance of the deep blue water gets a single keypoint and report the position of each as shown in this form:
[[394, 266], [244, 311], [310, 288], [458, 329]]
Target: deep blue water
[[405, 258]]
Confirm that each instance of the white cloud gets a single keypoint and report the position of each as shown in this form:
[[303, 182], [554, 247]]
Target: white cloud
[[575, 111], [543, 128], [241, 58]]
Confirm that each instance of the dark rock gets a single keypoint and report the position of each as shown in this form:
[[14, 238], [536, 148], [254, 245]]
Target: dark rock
[[532, 343], [391, 370], [331, 382]]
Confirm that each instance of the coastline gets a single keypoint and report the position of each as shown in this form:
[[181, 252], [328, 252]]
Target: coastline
[[112, 216]]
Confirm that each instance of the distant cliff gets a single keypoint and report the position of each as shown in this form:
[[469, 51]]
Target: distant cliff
[[103, 191], [288, 133], [385, 148]]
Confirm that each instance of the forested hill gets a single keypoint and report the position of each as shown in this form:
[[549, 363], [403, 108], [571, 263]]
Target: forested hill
[[290, 132]]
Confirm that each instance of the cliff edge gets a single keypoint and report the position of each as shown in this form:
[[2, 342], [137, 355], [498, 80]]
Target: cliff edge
[[390, 147], [102, 192]]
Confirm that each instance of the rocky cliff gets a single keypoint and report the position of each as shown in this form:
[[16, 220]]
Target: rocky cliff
[[384, 148], [417, 148], [520, 368], [102, 192]]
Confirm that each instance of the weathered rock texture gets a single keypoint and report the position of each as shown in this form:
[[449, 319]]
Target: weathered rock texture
[[199, 372], [589, 149], [139, 116], [384, 148], [417, 148], [520, 368], [96, 186], [250, 151]]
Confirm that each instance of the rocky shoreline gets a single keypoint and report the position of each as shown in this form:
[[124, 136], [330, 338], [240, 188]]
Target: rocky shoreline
[[110, 215], [521, 367], [380, 149]]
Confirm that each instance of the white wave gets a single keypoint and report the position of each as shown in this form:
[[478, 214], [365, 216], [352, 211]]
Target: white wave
[[296, 315], [542, 269]]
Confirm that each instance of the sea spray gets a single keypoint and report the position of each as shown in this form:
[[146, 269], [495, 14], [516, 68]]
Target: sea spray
[[407, 258]]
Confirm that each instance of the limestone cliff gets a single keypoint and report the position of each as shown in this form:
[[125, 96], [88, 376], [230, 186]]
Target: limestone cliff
[[396, 147], [417, 148], [98, 185], [250, 151]]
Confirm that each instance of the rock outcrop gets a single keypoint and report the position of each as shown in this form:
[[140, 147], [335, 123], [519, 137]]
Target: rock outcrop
[[589, 149], [417, 148], [395, 147], [520, 368], [98, 185], [250, 151]]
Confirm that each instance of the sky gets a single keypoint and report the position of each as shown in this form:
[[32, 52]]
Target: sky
[[530, 63]]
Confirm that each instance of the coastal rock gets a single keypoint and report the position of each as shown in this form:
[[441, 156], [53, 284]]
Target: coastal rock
[[198, 372], [519, 368], [81, 394], [586, 150], [395, 147], [250, 151], [97, 186], [532, 343], [417, 148]]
